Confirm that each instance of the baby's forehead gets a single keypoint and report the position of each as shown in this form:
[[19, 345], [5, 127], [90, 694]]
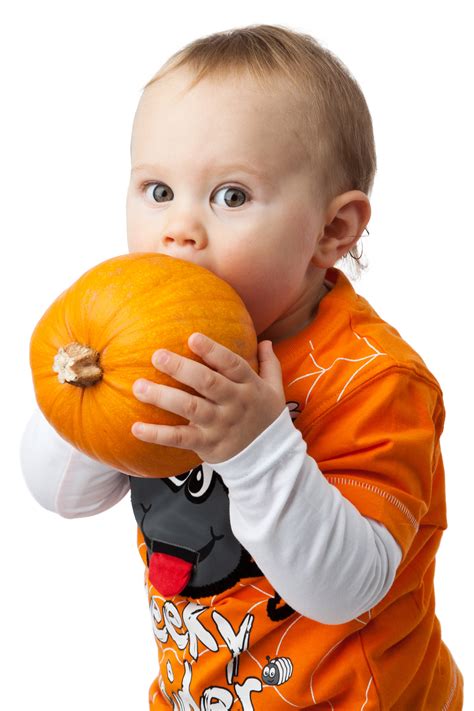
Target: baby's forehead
[[181, 87], [240, 117]]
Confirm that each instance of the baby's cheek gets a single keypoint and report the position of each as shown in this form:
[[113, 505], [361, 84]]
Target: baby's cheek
[[138, 242]]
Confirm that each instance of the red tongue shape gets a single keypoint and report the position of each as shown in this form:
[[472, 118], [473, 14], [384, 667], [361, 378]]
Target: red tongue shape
[[169, 574]]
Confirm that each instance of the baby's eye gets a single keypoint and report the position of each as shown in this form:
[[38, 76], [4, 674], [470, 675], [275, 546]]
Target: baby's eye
[[233, 196], [160, 193]]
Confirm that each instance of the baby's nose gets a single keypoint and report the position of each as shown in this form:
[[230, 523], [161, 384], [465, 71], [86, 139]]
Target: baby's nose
[[180, 239], [196, 239]]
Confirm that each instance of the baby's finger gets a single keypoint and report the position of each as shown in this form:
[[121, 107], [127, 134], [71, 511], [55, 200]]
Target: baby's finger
[[180, 436], [197, 375], [193, 408], [222, 359]]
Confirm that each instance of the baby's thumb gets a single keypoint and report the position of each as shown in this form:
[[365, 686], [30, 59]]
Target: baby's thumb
[[269, 365]]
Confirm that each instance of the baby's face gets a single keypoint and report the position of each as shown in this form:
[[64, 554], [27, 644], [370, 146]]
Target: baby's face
[[220, 178]]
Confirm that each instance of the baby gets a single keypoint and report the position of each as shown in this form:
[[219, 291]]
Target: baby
[[294, 567]]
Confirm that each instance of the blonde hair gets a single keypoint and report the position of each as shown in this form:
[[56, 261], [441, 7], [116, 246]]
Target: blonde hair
[[336, 123]]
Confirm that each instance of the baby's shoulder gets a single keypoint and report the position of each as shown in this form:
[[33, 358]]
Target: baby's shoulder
[[370, 333], [358, 353]]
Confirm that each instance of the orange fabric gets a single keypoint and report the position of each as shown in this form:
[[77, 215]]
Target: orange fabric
[[371, 414]]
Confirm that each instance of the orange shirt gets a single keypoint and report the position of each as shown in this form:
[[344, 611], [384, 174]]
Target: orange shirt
[[371, 415]]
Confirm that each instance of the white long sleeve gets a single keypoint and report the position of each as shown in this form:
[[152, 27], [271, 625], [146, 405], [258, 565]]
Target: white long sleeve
[[325, 559], [63, 479]]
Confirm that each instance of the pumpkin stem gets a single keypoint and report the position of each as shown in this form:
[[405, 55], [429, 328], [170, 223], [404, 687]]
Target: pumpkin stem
[[77, 365]]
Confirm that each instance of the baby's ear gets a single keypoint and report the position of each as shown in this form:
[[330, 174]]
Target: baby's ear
[[346, 218]]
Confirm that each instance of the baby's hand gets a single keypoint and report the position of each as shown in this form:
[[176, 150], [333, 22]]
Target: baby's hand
[[236, 403]]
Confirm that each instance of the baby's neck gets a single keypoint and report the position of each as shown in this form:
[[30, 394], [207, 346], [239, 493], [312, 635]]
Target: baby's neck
[[301, 314]]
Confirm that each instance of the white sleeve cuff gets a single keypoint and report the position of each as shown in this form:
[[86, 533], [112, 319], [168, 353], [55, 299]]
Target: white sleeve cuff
[[265, 450]]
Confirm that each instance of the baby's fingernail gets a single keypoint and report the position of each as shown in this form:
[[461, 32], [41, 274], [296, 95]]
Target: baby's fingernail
[[140, 387], [161, 357], [138, 429]]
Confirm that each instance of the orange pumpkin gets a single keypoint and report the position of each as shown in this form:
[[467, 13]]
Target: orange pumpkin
[[98, 337]]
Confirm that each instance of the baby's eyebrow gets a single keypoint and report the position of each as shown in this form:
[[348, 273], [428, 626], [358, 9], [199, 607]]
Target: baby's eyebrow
[[218, 168]]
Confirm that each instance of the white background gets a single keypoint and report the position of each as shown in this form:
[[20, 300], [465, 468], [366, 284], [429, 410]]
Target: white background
[[75, 628]]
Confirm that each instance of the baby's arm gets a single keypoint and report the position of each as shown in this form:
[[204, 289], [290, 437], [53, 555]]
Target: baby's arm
[[321, 555], [63, 479]]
